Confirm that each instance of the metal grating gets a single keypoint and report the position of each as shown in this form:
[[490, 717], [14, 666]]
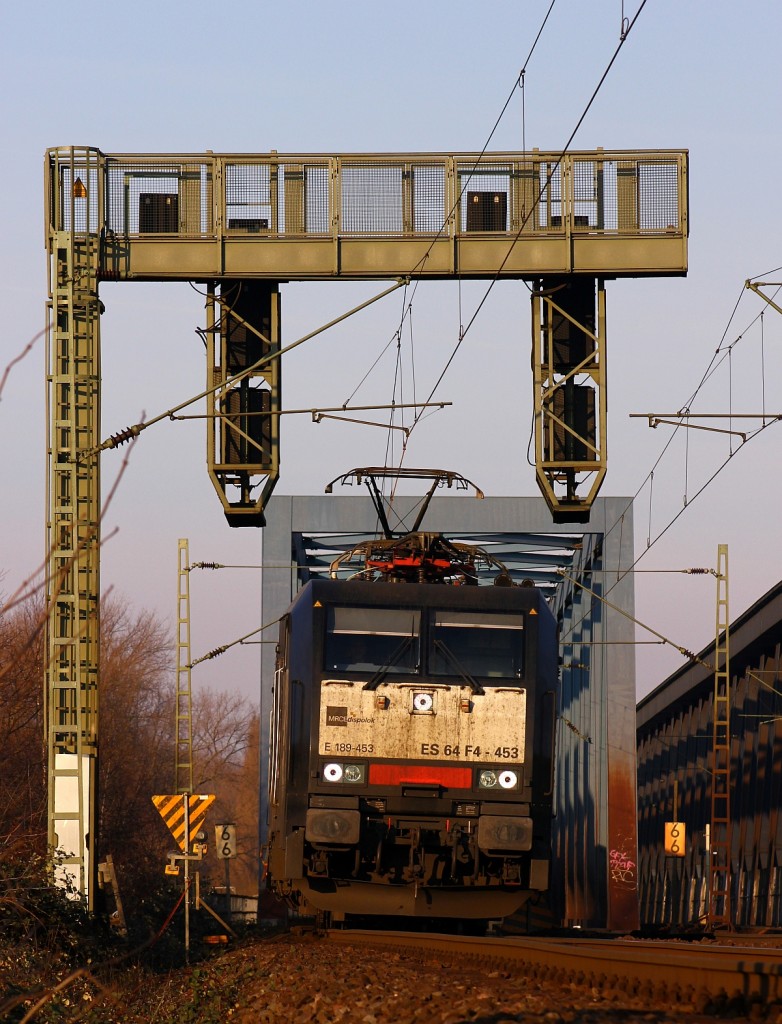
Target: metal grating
[[526, 556], [394, 196], [658, 196], [392, 199], [548, 195], [318, 212], [429, 212], [623, 195], [248, 201], [190, 183], [371, 199], [78, 200], [486, 179]]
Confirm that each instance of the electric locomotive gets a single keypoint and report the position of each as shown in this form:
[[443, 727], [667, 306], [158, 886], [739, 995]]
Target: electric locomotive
[[412, 739]]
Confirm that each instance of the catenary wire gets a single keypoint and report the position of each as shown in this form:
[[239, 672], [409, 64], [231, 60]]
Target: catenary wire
[[711, 368], [407, 304], [463, 333]]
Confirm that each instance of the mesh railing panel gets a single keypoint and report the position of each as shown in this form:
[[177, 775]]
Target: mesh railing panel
[[608, 199], [78, 198], [587, 212], [485, 196], [317, 219], [392, 199], [371, 199], [630, 193], [165, 198], [658, 189], [625, 195], [549, 188], [248, 205], [429, 212]]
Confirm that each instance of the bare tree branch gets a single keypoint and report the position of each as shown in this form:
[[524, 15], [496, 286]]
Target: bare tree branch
[[17, 359]]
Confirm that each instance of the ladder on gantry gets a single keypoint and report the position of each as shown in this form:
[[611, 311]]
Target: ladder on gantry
[[720, 832]]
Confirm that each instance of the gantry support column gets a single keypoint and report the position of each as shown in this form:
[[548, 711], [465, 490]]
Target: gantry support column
[[73, 526], [568, 363], [243, 433], [720, 852]]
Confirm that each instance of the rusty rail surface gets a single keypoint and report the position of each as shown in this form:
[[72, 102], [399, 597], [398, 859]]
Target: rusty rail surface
[[670, 970]]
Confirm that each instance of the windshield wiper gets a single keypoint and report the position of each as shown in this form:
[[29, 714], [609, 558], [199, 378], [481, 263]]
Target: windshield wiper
[[473, 683], [381, 673]]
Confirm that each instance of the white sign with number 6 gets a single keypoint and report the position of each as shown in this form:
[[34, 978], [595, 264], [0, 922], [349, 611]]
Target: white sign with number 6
[[225, 841]]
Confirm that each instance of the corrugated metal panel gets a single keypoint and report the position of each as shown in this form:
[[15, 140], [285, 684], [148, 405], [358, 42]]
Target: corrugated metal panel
[[673, 744]]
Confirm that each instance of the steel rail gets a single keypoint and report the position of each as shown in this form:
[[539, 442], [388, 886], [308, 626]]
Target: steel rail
[[719, 970]]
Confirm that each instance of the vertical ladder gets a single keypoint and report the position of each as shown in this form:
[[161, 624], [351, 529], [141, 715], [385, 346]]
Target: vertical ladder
[[719, 873], [183, 746], [74, 214]]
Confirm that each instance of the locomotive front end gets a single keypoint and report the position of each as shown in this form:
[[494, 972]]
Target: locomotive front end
[[428, 786]]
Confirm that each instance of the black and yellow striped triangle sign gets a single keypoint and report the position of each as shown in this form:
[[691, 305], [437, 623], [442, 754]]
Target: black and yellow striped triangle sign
[[172, 810]]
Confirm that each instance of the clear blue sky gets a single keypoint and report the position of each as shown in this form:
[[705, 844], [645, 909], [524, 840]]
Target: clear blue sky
[[351, 76]]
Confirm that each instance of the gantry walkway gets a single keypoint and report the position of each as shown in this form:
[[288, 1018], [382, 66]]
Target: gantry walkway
[[303, 216]]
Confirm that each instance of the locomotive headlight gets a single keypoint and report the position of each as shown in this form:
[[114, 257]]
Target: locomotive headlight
[[354, 773], [487, 779], [508, 779], [336, 771], [423, 703]]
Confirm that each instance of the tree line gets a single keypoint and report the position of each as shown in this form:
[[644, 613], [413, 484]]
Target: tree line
[[136, 750]]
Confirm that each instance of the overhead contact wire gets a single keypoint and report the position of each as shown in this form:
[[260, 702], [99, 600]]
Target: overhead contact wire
[[649, 478], [407, 304], [710, 369], [519, 82], [463, 333]]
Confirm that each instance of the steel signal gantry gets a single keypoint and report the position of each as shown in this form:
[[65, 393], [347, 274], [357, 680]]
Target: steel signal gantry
[[241, 224]]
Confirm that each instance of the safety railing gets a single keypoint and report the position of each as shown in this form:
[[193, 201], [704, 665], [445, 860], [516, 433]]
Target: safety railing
[[208, 196]]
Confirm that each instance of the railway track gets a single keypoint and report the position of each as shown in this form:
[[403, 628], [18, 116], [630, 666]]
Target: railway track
[[363, 977], [702, 973]]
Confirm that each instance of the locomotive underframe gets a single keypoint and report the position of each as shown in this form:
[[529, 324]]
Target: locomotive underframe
[[418, 866]]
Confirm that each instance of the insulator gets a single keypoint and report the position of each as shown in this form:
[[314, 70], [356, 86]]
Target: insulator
[[215, 653], [124, 435], [206, 657]]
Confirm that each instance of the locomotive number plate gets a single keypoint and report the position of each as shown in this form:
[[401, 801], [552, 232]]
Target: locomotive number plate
[[420, 721]]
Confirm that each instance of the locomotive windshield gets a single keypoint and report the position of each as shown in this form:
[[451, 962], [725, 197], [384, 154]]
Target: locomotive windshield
[[480, 644], [372, 640]]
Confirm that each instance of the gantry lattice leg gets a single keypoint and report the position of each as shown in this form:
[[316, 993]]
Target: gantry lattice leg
[[243, 437], [568, 362], [73, 526]]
